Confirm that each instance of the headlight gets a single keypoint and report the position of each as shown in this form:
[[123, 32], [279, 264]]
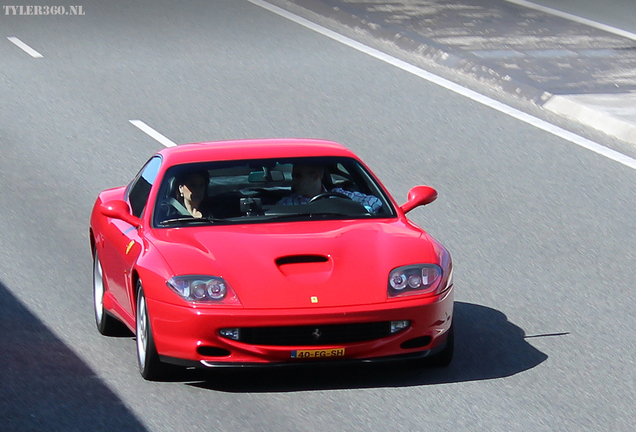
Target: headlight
[[198, 288], [415, 279]]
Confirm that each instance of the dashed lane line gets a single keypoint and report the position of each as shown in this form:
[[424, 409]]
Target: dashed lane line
[[153, 133], [24, 47]]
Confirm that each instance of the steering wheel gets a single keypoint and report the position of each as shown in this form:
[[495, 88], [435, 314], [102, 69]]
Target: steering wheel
[[329, 195]]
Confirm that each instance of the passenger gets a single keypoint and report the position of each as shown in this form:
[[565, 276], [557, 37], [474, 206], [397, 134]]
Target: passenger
[[192, 193], [307, 183]]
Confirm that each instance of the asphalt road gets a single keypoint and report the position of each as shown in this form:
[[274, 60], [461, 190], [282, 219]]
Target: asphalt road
[[541, 230]]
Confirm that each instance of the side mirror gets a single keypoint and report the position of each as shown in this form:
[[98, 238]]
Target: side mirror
[[118, 209], [419, 196]]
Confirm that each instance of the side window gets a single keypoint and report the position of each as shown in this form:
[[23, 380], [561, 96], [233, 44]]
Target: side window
[[140, 187]]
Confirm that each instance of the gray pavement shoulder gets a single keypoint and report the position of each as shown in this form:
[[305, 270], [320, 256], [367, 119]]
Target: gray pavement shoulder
[[582, 73]]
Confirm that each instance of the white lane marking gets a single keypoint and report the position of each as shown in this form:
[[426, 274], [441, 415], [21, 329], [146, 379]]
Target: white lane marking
[[153, 133], [575, 18], [24, 47], [484, 100]]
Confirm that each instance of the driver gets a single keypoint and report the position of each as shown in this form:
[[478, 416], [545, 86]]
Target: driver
[[307, 183]]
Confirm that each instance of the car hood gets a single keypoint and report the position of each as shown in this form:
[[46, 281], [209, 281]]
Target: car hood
[[300, 264]]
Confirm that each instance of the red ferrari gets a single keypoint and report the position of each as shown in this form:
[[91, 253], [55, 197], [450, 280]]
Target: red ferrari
[[268, 252]]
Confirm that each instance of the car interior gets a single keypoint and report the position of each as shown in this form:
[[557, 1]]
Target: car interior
[[250, 191]]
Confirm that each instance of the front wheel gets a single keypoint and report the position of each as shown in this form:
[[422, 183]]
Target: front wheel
[[442, 358], [445, 357], [106, 324], [150, 366]]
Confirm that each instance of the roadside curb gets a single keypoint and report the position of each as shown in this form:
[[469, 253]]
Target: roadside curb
[[608, 113]]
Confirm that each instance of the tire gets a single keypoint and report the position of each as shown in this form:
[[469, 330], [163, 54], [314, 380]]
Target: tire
[[150, 366], [442, 358], [445, 357], [106, 324]]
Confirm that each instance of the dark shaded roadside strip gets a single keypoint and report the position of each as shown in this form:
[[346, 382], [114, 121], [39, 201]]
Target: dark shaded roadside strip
[[45, 386]]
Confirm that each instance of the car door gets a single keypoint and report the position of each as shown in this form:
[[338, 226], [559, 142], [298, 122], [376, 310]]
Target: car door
[[123, 243]]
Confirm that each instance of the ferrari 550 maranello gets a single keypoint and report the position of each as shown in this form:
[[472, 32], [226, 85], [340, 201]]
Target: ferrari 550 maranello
[[268, 253]]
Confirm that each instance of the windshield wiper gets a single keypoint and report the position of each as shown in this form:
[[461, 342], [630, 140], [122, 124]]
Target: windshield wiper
[[309, 215], [188, 220]]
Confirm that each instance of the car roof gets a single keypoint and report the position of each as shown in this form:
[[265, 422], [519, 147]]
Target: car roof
[[252, 149]]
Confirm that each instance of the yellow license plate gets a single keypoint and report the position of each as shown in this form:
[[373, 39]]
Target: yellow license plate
[[323, 353]]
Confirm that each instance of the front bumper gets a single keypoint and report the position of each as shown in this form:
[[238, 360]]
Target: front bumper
[[190, 336]]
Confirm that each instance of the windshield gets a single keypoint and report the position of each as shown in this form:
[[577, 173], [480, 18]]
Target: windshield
[[268, 190]]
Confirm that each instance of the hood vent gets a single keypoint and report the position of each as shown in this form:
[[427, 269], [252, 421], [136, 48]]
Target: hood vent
[[301, 259]]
